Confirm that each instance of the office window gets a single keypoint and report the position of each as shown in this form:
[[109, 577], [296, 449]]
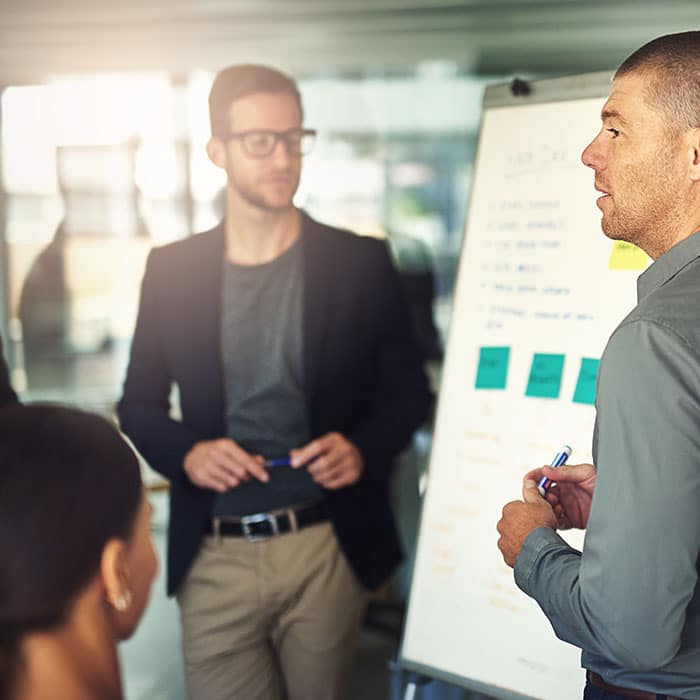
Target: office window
[[97, 170]]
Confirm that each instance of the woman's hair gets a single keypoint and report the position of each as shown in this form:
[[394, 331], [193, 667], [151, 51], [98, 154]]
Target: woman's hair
[[68, 484]]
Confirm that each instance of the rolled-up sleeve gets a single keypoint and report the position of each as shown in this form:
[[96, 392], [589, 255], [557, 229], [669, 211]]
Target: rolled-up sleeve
[[625, 596]]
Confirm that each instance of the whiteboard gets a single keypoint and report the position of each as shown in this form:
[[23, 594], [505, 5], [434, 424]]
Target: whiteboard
[[539, 291]]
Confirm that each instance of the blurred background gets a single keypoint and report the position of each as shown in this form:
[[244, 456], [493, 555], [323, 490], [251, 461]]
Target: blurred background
[[103, 118]]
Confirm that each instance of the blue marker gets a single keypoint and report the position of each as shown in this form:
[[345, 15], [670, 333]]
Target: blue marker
[[283, 462], [278, 462], [559, 459]]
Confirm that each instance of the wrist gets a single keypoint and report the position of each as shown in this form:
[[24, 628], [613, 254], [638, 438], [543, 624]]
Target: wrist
[[186, 460]]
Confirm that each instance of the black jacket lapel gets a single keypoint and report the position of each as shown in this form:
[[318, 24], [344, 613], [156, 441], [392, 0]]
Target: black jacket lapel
[[206, 326], [316, 286]]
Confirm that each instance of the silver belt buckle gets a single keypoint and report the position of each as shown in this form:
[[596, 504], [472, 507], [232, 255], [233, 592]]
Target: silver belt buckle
[[216, 529], [248, 520]]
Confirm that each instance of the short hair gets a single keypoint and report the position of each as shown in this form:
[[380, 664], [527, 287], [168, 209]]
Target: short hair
[[68, 484], [234, 82], [672, 63]]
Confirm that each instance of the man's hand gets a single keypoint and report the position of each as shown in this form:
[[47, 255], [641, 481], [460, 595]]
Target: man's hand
[[333, 461], [222, 465], [520, 518], [571, 494]]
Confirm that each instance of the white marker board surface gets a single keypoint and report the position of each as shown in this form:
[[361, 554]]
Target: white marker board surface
[[539, 291]]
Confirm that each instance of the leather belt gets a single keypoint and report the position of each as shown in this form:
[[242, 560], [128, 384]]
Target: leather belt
[[597, 680], [262, 526]]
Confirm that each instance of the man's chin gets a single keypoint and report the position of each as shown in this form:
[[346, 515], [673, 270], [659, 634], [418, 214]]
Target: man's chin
[[272, 204], [613, 235], [279, 206], [610, 230], [616, 233], [277, 201]]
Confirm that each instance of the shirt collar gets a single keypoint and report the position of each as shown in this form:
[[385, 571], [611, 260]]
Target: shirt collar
[[668, 265]]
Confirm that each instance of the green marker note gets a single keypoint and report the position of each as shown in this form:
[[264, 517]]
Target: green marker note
[[587, 376], [493, 368], [545, 376]]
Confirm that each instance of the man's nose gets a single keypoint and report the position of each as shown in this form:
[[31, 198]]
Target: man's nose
[[592, 155], [282, 152]]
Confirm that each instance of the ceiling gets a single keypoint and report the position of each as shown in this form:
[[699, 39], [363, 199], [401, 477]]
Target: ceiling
[[39, 38]]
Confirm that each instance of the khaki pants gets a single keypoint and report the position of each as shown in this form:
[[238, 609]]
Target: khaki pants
[[272, 619]]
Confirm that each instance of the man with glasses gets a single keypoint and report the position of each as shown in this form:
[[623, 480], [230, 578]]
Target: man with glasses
[[299, 382]]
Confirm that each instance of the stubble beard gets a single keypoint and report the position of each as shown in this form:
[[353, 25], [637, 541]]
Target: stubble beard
[[650, 219], [254, 197], [649, 228]]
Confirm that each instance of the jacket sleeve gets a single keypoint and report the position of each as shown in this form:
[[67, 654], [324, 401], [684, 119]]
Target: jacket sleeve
[[144, 409], [402, 395]]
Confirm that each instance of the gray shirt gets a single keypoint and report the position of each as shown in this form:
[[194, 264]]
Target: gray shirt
[[629, 600], [262, 350]]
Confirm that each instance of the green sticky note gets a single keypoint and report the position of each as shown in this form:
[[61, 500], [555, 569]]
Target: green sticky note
[[545, 376], [587, 376], [493, 368]]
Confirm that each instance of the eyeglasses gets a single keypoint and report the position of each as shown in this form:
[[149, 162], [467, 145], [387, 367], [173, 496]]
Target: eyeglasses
[[259, 143]]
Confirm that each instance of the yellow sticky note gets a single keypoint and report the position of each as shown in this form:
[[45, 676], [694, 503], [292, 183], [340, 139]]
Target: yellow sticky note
[[625, 256]]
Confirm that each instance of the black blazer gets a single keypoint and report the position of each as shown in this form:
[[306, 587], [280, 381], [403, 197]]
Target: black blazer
[[363, 377], [7, 394]]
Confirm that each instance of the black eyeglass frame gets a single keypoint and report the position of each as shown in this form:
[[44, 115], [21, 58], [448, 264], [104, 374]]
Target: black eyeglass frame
[[284, 135]]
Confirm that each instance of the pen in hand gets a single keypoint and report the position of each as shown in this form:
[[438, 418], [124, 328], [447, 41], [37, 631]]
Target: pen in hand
[[559, 459], [278, 462], [282, 462]]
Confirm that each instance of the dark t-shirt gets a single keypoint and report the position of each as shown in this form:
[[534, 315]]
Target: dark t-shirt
[[262, 350]]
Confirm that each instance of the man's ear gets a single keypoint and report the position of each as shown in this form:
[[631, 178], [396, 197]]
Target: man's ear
[[216, 150], [695, 150], [115, 574]]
